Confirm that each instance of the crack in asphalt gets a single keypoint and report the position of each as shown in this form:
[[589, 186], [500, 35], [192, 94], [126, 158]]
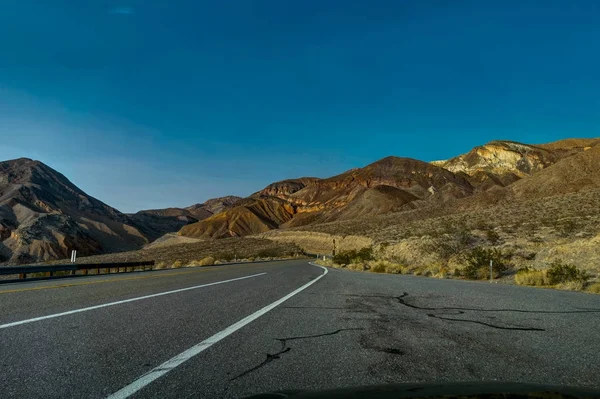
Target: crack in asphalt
[[487, 324], [269, 359], [462, 311], [403, 302], [284, 349]]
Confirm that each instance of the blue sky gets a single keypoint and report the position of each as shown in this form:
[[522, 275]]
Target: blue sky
[[147, 104]]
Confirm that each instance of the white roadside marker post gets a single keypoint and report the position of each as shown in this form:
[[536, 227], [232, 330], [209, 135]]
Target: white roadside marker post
[[491, 271]]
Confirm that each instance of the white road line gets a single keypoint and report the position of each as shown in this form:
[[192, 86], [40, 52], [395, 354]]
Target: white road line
[[52, 316], [172, 363]]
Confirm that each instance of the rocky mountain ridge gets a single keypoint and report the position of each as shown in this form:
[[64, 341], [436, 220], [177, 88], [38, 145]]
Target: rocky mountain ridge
[[389, 185], [43, 216]]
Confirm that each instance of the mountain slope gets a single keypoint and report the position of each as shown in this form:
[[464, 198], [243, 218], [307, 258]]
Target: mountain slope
[[383, 186], [571, 174], [212, 206], [501, 158], [43, 216], [155, 223], [251, 216]]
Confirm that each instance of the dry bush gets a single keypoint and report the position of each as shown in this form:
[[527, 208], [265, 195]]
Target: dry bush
[[478, 260], [536, 278], [357, 266], [177, 264], [560, 273], [443, 272], [571, 285], [593, 288], [379, 266], [393, 268], [160, 265], [208, 261], [346, 257]]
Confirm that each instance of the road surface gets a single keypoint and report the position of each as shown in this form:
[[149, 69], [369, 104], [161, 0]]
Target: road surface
[[222, 332]]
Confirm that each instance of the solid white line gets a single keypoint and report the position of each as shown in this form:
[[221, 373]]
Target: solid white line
[[52, 316], [172, 363]]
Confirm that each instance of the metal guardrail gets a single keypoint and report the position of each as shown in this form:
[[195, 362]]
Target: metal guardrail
[[23, 271]]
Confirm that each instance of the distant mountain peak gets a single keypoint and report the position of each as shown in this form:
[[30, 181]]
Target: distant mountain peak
[[44, 216]]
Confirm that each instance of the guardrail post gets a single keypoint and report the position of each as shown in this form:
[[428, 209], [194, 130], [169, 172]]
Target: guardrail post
[[23, 276]]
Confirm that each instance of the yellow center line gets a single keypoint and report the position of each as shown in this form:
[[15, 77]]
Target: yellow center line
[[47, 287]]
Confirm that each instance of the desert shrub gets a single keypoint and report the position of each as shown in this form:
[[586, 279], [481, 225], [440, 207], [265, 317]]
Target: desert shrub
[[357, 266], [208, 261], [393, 268], [267, 253], [177, 264], [492, 237], [562, 273], [566, 228], [378, 267], [531, 277], [571, 285], [160, 265], [443, 272], [226, 256], [480, 224], [478, 263], [455, 242], [444, 246], [593, 288], [347, 257]]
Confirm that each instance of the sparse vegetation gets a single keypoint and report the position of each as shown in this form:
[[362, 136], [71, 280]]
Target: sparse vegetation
[[221, 250], [267, 253], [535, 278], [378, 266], [560, 273], [593, 288], [478, 263], [348, 257], [207, 261], [492, 237]]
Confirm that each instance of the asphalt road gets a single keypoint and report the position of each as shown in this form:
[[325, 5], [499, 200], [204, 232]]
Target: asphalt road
[[192, 334]]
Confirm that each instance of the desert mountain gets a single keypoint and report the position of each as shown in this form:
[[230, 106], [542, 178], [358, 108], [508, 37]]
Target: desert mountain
[[154, 223], [387, 185], [397, 184], [43, 216], [501, 163], [212, 206], [500, 158], [249, 216], [570, 174]]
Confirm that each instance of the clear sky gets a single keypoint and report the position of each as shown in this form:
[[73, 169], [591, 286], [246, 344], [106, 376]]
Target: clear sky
[[147, 104]]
